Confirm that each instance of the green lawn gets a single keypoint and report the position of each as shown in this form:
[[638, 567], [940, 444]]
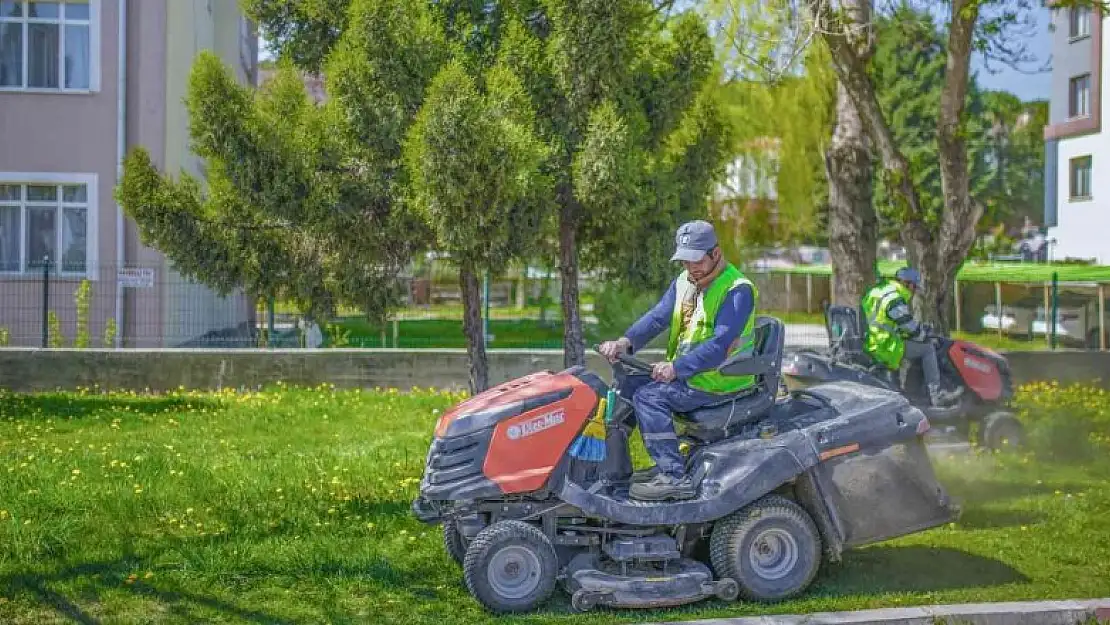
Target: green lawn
[[293, 506]]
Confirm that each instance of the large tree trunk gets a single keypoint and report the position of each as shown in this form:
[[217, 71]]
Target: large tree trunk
[[472, 328], [961, 212], [937, 260], [853, 226], [574, 349]]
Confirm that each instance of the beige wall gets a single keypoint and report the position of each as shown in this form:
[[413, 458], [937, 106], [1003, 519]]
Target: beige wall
[[77, 133], [188, 310]]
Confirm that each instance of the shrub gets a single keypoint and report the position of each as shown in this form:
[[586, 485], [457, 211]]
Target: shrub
[[617, 308], [1068, 423]]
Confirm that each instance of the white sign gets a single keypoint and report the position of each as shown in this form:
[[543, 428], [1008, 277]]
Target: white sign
[[136, 278]]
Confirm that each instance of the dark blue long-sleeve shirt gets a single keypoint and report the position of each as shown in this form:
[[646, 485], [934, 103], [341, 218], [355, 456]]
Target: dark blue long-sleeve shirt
[[733, 315]]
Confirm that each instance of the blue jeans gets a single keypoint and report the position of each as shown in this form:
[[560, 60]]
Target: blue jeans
[[654, 404]]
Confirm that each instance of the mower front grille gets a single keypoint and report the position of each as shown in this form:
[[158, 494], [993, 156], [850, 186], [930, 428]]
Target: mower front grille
[[453, 469]]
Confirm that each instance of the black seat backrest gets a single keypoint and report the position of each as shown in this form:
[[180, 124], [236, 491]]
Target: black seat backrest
[[846, 332], [765, 361]]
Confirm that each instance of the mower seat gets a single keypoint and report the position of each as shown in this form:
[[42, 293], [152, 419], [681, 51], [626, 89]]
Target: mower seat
[[847, 332], [722, 419]]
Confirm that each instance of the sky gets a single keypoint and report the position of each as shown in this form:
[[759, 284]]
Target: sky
[[1023, 84]]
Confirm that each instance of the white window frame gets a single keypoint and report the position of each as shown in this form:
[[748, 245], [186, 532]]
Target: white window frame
[[92, 239], [1082, 104], [94, 51], [1079, 23], [1072, 162]]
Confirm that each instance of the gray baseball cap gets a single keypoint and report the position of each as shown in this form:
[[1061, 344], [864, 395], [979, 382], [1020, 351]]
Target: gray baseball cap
[[694, 240]]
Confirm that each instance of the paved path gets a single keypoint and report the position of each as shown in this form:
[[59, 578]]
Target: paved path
[[1069, 612]]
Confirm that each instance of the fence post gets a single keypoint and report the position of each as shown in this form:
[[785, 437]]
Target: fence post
[[1055, 306], [46, 302], [270, 322], [485, 316]]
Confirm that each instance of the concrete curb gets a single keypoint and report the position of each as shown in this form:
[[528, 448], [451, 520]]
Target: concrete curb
[[1071, 612]]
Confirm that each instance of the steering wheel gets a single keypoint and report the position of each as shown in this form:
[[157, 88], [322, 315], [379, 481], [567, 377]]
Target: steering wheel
[[640, 366]]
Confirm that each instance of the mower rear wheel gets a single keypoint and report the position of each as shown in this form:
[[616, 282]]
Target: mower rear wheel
[[510, 567], [1001, 431], [772, 549], [453, 541]]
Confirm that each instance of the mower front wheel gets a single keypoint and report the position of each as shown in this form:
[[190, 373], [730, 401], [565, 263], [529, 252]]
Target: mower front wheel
[[453, 540], [510, 567], [771, 547], [1001, 431]]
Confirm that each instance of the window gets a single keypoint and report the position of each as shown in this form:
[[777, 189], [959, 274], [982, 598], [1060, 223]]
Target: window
[[1079, 96], [48, 45], [46, 219], [1080, 187], [1079, 19]]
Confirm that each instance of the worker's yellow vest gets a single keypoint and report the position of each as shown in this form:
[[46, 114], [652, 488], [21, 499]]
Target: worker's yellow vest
[[684, 338], [884, 341]]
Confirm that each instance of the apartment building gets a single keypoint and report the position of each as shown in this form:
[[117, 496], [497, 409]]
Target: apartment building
[[1077, 145], [81, 83]]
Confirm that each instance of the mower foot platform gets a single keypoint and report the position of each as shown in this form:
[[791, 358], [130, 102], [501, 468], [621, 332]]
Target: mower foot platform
[[676, 583]]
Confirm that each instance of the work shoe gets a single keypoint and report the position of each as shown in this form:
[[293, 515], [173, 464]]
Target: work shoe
[[663, 487], [942, 399]]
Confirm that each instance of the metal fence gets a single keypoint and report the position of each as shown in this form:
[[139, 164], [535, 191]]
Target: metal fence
[[153, 306]]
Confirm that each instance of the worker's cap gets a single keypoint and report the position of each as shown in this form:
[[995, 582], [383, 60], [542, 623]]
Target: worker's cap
[[909, 274], [693, 240]]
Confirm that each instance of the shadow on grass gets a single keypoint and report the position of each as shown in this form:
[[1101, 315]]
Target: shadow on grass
[[56, 405], [70, 590], [912, 569]]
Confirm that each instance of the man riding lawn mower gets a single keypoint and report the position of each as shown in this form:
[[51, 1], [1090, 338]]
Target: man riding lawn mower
[[872, 344], [893, 334], [710, 312], [533, 483]]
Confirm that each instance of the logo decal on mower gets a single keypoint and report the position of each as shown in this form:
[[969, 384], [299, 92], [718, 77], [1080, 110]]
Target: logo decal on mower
[[536, 424], [976, 364]]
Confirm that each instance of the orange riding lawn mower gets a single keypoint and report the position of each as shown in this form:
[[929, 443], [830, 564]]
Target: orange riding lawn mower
[[982, 377], [530, 482]]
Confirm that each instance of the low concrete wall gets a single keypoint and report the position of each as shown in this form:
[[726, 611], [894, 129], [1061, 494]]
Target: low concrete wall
[[166, 369]]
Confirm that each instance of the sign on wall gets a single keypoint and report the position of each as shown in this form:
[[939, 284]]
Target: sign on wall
[[136, 278]]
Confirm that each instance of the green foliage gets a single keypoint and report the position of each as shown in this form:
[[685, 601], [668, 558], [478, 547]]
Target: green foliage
[[81, 340], [621, 98], [485, 202], [908, 70], [110, 331], [54, 327], [1004, 136], [290, 210], [5, 337], [617, 307], [336, 335], [301, 31], [779, 101], [1065, 423], [1014, 149]]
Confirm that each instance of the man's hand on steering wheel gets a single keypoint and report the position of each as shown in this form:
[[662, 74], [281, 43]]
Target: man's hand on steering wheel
[[612, 349]]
